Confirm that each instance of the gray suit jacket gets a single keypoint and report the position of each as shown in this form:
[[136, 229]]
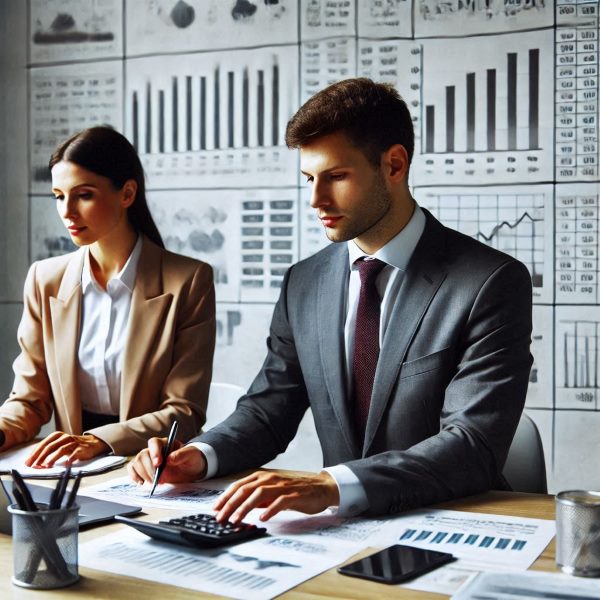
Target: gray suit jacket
[[450, 382]]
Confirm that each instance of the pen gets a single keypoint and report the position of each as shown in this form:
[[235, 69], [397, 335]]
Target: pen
[[73, 492], [165, 453], [26, 499]]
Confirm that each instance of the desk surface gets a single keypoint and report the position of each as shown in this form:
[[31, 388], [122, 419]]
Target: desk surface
[[101, 585]]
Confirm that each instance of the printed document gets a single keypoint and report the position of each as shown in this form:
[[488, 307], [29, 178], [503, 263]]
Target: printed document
[[532, 584], [193, 497], [256, 570]]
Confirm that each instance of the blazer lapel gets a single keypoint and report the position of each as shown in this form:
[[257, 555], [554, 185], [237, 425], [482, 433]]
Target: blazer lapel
[[148, 307], [331, 310], [424, 275], [65, 314]]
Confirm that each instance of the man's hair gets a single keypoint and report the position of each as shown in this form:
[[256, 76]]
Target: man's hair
[[373, 116]]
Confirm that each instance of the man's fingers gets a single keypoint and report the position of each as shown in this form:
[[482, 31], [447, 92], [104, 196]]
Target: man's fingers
[[287, 502], [233, 488]]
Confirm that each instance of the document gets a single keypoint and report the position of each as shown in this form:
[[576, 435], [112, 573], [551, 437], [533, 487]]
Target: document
[[15, 459], [511, 586], [256, 570], [193, 497], [481, 542]]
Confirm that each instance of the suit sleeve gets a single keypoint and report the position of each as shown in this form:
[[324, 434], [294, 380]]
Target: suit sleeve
[[481, 407], [30, 403], [184, 392], [267, 417]]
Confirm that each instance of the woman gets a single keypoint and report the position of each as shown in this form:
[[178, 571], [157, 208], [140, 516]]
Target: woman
[[117, 338]]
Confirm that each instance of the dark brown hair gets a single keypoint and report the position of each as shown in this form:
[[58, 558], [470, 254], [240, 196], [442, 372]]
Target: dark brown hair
[[106, 152], [373, 116]]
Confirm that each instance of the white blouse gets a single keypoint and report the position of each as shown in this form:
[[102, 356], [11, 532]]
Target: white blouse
[[103, 333]]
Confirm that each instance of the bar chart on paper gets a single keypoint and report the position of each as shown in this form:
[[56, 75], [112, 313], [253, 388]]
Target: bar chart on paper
[[483, 538], [202, 119], [517, 220], [487, 123], [577, 352]]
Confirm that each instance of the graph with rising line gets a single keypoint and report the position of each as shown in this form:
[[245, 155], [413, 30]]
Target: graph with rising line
[[517, 221]]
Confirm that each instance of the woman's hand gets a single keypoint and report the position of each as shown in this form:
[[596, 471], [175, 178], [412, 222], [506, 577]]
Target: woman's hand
[[64, 445]]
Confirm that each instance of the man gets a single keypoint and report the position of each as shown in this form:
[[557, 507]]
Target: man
[[416, 373]]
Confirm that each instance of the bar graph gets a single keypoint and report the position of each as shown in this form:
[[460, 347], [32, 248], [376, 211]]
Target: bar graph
[[169, 117], [486, 123], [577, 355], [449, 539], [201, 119], [491, 99], [516, 220]]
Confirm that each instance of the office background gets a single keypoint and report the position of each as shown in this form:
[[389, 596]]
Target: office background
[[504, 96]]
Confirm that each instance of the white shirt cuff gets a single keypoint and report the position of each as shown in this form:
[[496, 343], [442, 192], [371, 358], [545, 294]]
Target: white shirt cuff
[[353, 498], [212, 462]]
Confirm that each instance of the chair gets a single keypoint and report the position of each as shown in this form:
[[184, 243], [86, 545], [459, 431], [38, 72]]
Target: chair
[[525, 468]]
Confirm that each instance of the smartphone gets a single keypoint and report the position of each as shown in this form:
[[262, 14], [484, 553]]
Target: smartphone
[[396, 564]]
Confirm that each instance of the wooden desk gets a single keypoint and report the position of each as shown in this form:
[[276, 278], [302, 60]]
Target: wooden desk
[[101, 585]]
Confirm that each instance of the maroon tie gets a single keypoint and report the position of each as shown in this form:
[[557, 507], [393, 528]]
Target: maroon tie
[[366, 340]]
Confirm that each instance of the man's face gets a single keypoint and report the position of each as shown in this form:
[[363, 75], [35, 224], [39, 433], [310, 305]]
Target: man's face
[[348, 192]]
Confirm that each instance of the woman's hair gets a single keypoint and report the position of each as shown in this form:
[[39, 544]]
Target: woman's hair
[[106, 152]]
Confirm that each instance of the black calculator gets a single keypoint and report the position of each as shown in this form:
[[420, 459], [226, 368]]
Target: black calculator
[[200, 531]]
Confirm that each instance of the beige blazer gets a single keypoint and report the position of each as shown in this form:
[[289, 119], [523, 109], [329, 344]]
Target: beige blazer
[[167, 364]]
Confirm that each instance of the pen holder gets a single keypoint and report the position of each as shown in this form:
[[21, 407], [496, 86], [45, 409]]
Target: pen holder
[[578, 532], [45, 547]]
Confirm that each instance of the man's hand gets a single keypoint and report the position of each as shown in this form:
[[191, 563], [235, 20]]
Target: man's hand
[[184, 463], [60, 445], [275, 492]]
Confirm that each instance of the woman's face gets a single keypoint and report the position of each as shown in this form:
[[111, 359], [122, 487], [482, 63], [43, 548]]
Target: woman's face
[[90, 207]]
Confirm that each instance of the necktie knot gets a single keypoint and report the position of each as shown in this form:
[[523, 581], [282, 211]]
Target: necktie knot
[[369, 269]]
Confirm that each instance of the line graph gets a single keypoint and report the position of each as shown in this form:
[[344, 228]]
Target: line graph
[[517, 221]]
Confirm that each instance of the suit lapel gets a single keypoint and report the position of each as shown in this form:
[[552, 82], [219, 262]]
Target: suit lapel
[[65, 314], [148, 307], [331, 310], [425, 273]]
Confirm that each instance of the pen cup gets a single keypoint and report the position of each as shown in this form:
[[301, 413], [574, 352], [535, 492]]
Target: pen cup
[[45, 547], [578, 532]]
